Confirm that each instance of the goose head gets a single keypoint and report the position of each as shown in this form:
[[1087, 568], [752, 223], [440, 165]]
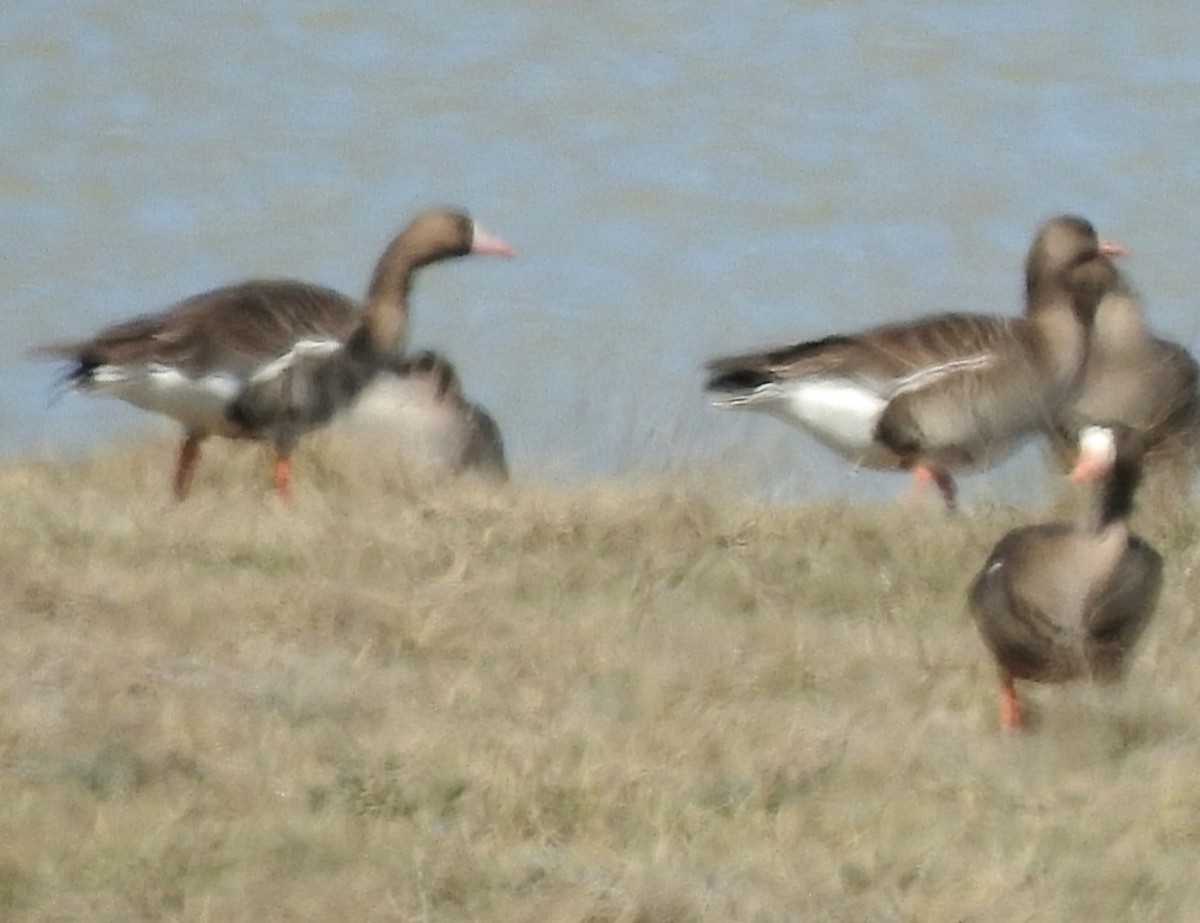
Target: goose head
[[443, 233], [1069, 258], [431, 236]]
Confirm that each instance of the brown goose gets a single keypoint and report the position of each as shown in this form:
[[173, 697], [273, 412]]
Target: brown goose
[[945, 392], [1137, 380], [263, 359], [1058, 601], [418, 404]]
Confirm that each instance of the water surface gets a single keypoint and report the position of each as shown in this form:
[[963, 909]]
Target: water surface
[[680, 180]]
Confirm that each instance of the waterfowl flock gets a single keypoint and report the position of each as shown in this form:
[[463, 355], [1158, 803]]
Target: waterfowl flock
[[272, 360]]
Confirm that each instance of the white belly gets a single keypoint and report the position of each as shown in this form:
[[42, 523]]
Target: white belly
[[197, 403], [840, 414]]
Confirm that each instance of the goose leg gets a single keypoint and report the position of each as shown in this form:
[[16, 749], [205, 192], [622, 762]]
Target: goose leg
[[283, 475], [947, 487], [1010, 705], [940, 478], [185, 467]]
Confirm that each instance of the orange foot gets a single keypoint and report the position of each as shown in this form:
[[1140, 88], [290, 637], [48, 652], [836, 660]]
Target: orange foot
[[926, 474], [283, 476], [1011, 714]]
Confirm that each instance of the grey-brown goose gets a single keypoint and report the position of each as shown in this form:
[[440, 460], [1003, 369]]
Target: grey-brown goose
[[944, 392], [417, 405], [1060, 601], [267, 359], [1138, 380]]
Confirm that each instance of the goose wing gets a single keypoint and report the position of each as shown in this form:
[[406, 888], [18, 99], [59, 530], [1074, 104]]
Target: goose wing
[[889, 359], [995, 387], [300, 391], [232, 329]]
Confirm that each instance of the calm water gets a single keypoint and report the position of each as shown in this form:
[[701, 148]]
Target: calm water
[[680, 180]]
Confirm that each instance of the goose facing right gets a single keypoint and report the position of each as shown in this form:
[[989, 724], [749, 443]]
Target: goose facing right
[[945, 392], [267, 359], [1059, 601]]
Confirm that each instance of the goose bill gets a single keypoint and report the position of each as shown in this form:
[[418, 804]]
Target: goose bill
[[485, 242]]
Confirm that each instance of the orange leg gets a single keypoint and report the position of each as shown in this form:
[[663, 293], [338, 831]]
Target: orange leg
[[283, 476], [185, 467], [926, 474], [1010, 705]]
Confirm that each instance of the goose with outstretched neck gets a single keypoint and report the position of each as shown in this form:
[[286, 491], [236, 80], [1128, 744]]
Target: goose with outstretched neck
[[1060, 601], [947, 392], [267, 359]]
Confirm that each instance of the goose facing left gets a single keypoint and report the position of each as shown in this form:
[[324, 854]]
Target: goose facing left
[[267, 359], [943, 392]]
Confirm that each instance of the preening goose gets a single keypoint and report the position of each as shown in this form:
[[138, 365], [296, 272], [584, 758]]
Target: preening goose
[[264, 359], [417, 405], [941, 393], [1137, 380], [1059, 601]]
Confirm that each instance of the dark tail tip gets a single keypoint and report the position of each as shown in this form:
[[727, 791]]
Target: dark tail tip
[[738, 380]]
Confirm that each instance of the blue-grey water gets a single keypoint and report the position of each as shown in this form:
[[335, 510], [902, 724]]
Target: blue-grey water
[[680, 180]]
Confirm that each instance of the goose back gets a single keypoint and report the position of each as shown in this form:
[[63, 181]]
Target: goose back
[[192, 360], [416, 405], [1053, 603], [234, 328]]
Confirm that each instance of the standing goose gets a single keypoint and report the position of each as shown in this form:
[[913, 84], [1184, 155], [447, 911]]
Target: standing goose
[[944, 392], [1059, 601], [267, 359], [1137, 380], [418, 403]]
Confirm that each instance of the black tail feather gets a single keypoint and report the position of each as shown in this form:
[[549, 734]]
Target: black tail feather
[[739, 380]]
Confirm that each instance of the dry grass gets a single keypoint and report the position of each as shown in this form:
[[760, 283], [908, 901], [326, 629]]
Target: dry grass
[[622, 703]]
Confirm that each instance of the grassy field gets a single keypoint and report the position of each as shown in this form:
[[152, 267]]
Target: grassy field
[[628, 702]]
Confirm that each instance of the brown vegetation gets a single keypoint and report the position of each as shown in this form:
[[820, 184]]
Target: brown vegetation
[[632, 702]]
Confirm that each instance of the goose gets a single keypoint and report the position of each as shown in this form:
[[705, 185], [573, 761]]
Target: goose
[[266, 359], [1138, 380], [418, 404], [944, 392], [1060, 601]]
